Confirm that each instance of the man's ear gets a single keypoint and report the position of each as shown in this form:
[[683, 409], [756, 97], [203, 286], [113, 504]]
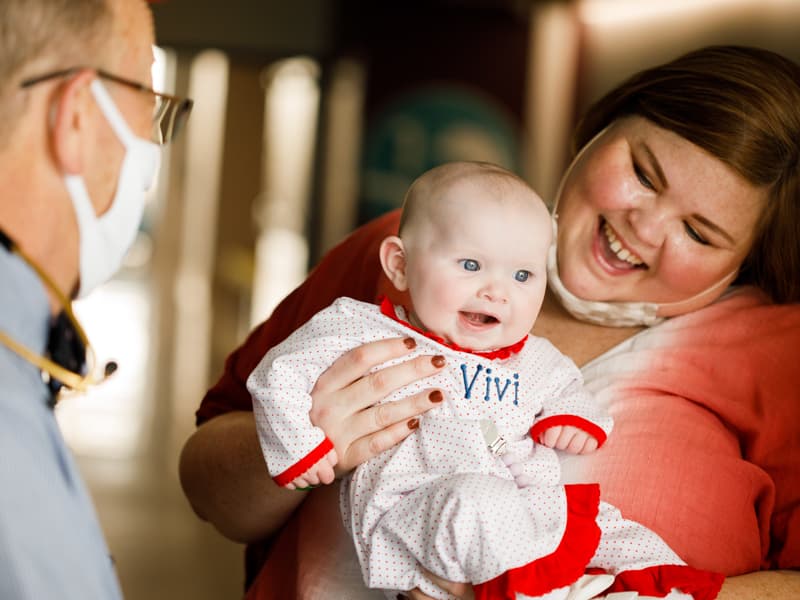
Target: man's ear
[[393, 260], [72, 103]]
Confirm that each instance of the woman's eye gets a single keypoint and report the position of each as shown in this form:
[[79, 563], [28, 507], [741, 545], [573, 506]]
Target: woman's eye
[[642, 177], [692, 233], [522, 275], [470, 265]]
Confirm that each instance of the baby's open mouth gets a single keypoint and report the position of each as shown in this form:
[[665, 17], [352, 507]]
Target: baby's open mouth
[[479, 318]]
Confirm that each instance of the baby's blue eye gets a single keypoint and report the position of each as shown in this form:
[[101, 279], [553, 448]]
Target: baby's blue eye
[[470, 265], [522, 275]]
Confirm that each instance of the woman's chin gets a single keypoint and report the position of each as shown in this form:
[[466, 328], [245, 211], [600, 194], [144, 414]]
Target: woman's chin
[[585, 285]]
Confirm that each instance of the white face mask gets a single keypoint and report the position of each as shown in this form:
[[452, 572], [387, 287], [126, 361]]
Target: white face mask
[[622, 314], [104, 240]]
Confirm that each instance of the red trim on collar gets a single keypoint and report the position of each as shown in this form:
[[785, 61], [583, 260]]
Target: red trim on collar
[[387, 308]]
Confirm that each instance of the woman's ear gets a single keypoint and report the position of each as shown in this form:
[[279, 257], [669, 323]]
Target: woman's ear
[[393, 260], [72, 103]]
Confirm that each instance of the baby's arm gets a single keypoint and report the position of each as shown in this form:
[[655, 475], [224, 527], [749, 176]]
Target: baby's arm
[[297, 453], [573, 423], [571, 420]]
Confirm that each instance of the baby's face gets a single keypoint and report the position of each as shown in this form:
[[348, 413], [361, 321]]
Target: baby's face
[[476, 268]]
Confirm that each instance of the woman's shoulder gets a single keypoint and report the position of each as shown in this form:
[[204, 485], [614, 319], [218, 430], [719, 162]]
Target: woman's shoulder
[[739, 322], [741, 311]]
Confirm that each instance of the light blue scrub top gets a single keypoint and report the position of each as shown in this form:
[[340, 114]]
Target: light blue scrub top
[[51, 545]]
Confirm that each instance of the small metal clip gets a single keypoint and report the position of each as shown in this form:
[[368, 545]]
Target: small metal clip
[[494, 441]]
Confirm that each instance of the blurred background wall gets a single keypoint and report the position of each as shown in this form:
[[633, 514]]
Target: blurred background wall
[[311, 117]]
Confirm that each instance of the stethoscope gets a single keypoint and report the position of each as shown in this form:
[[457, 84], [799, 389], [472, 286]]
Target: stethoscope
[[73, 380]]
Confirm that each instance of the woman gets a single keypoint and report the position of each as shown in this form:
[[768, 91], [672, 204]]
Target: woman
[[687, 180]]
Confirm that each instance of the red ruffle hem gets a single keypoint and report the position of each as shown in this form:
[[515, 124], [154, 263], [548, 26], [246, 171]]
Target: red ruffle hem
[[567, 562], [661, 580]]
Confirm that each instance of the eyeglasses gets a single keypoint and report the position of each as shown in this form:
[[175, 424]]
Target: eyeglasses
[[169, 112]]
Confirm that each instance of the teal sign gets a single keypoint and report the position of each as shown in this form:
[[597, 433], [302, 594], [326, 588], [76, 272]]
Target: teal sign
[[425, 128]]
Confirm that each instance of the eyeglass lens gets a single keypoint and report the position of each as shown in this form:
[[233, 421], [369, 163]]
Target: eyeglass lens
[[168, 117]]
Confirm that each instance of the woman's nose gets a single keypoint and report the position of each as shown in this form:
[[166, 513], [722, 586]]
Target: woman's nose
[[649, 223]]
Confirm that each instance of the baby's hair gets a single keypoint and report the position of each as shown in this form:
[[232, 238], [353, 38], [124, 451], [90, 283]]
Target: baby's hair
[[428, 186]]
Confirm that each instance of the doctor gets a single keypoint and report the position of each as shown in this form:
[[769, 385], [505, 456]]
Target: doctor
[[80, 137]]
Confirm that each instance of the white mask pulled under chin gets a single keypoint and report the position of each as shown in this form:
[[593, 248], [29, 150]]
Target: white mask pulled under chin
[[105, 240], [623, 314]]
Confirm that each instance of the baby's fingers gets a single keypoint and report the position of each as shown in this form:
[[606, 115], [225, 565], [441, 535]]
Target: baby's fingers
[[589, 446], [325, 470], [575, 443], [297, 483], [550, 436]]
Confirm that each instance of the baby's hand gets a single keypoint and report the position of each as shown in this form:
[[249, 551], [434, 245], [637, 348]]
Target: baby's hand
[[569, 438], [320, 472]]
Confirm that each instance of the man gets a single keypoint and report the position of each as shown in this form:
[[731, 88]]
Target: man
[[80, 129]]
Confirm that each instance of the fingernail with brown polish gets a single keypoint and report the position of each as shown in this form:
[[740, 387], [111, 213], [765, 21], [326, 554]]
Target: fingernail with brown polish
[[413, 423], [435, 396], [410, 343], [438, 361]]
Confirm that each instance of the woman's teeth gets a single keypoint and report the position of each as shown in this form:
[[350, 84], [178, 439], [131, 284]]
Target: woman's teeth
[[616, 247]]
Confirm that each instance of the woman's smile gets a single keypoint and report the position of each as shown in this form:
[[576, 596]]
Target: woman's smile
[[614, 255]]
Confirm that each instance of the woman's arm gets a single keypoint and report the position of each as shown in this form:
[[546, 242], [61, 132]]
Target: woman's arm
[[224, 476], [763, 585]]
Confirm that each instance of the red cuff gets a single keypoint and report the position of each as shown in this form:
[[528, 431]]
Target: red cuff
[[579, 422], [304, 464]]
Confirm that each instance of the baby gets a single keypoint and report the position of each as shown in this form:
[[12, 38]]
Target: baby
[[473, 495]]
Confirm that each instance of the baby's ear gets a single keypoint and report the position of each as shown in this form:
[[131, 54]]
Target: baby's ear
[[393, 261]]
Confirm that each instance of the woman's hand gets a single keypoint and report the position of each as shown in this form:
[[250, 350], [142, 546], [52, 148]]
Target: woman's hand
[[459, 590], [345, 397]]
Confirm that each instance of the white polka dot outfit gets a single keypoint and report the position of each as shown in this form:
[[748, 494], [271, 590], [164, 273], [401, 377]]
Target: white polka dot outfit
[[441, 498]]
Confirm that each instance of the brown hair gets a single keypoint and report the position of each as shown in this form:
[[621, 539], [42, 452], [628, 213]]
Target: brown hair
[[742, 106], [55, 33]]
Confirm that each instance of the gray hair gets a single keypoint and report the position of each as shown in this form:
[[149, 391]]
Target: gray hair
[[51, 33]]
